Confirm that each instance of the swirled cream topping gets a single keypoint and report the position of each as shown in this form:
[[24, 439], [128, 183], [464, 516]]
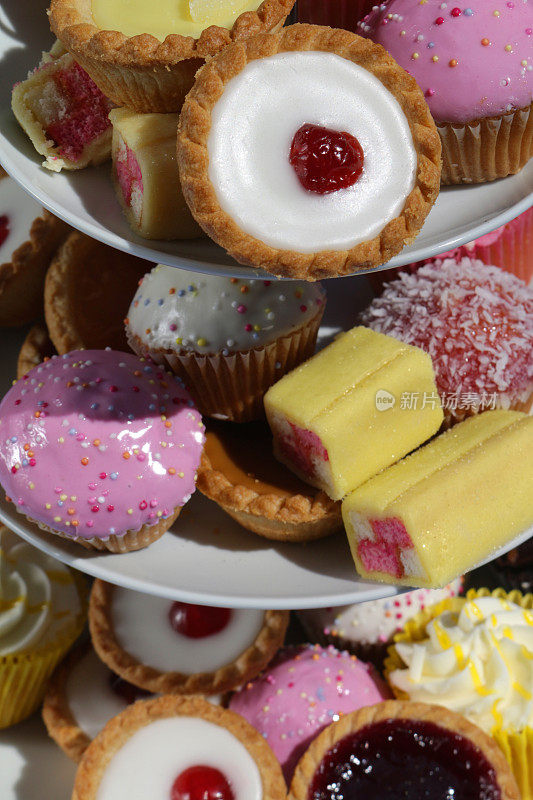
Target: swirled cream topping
[[477, 661], [38, 596]]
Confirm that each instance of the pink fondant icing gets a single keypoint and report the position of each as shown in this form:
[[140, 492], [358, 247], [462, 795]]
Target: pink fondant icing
[[97, 442], [304, 690], [128, 173], [471, 59]]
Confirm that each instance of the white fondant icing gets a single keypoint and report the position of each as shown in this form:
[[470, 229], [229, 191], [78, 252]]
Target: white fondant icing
[[252, 128], [21, 210], [143, 629], [208, 313], [89, 695], [38, 597], [150, 761]]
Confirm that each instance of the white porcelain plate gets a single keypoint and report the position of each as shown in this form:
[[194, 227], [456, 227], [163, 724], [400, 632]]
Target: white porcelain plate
[[87, 201], [207, 558]]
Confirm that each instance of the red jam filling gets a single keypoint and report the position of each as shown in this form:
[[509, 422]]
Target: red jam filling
[[408, 759], [128, 174], [197, 622], [4, 228], [325, 160], [201, 783], [126, 691], [383, 554], [86, 112], [302, 448]]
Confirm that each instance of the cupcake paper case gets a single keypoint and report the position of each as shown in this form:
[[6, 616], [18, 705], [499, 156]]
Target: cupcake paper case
[[229, 339], [42, 613], [474, 65], [101, 447], [483, 645]]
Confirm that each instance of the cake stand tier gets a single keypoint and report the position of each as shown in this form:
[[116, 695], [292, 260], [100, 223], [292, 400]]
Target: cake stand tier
[[87, 201]]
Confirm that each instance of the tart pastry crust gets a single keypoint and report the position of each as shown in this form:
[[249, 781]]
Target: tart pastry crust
[[298, 518], [397, 709], [117, 732], [87, 293], [244, 668], [22, 278], [35, 349], [193, 157], [142, 72], [57, 716]]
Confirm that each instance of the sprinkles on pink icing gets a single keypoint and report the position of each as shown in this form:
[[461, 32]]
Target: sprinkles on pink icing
[[97, 443], [176, 309], [471, 60], [304, 690], [475, 321]]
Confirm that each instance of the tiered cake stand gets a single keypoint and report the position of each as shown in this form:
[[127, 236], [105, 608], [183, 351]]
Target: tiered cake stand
[[206, 558]]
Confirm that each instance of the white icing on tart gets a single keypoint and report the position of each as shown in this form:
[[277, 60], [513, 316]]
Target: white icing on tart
[[91, 700], [175, 308], [142, 628], [150, 761], [21, 211], [252, 128]]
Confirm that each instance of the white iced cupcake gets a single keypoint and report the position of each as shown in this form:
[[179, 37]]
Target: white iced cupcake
[[229, 339]]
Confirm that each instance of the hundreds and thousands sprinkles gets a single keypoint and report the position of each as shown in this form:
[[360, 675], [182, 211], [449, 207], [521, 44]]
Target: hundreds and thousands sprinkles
[[488, 44], [209, 314], [98, 443]]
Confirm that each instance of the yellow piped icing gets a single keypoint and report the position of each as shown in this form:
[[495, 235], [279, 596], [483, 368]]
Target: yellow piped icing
[[162, 17], [476, 660]]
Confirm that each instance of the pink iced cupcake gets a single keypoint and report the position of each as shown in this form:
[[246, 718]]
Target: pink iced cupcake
[[304, 690], [335, 13], [474, 64], [100, 447]]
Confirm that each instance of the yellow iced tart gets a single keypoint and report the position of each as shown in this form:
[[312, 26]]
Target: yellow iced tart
[[161, 17], [143, 54]]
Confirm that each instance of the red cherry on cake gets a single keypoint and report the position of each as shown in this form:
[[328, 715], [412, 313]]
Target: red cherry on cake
[[325, 160], [4, 228], [197, 622], [201, 783]]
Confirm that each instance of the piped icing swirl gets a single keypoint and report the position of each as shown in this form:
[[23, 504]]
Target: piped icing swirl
[[39, 600], [176, 309], [476, 660], [97, 443], [471, 61]]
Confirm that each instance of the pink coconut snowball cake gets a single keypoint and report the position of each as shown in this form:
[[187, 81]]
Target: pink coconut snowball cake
[[101, 447], [476, 323], [305, 689]]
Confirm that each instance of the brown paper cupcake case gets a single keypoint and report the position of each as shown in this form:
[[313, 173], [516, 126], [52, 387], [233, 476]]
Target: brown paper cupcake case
[[486, 149]]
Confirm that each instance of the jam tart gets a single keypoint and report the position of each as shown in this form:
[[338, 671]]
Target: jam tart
[[399, 749]]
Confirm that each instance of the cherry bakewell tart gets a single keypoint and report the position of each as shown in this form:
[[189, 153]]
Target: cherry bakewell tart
[[183, 648], [144, 54], [64, 113], [399, 749], [334, 162], [239, 472], [179, 748]]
